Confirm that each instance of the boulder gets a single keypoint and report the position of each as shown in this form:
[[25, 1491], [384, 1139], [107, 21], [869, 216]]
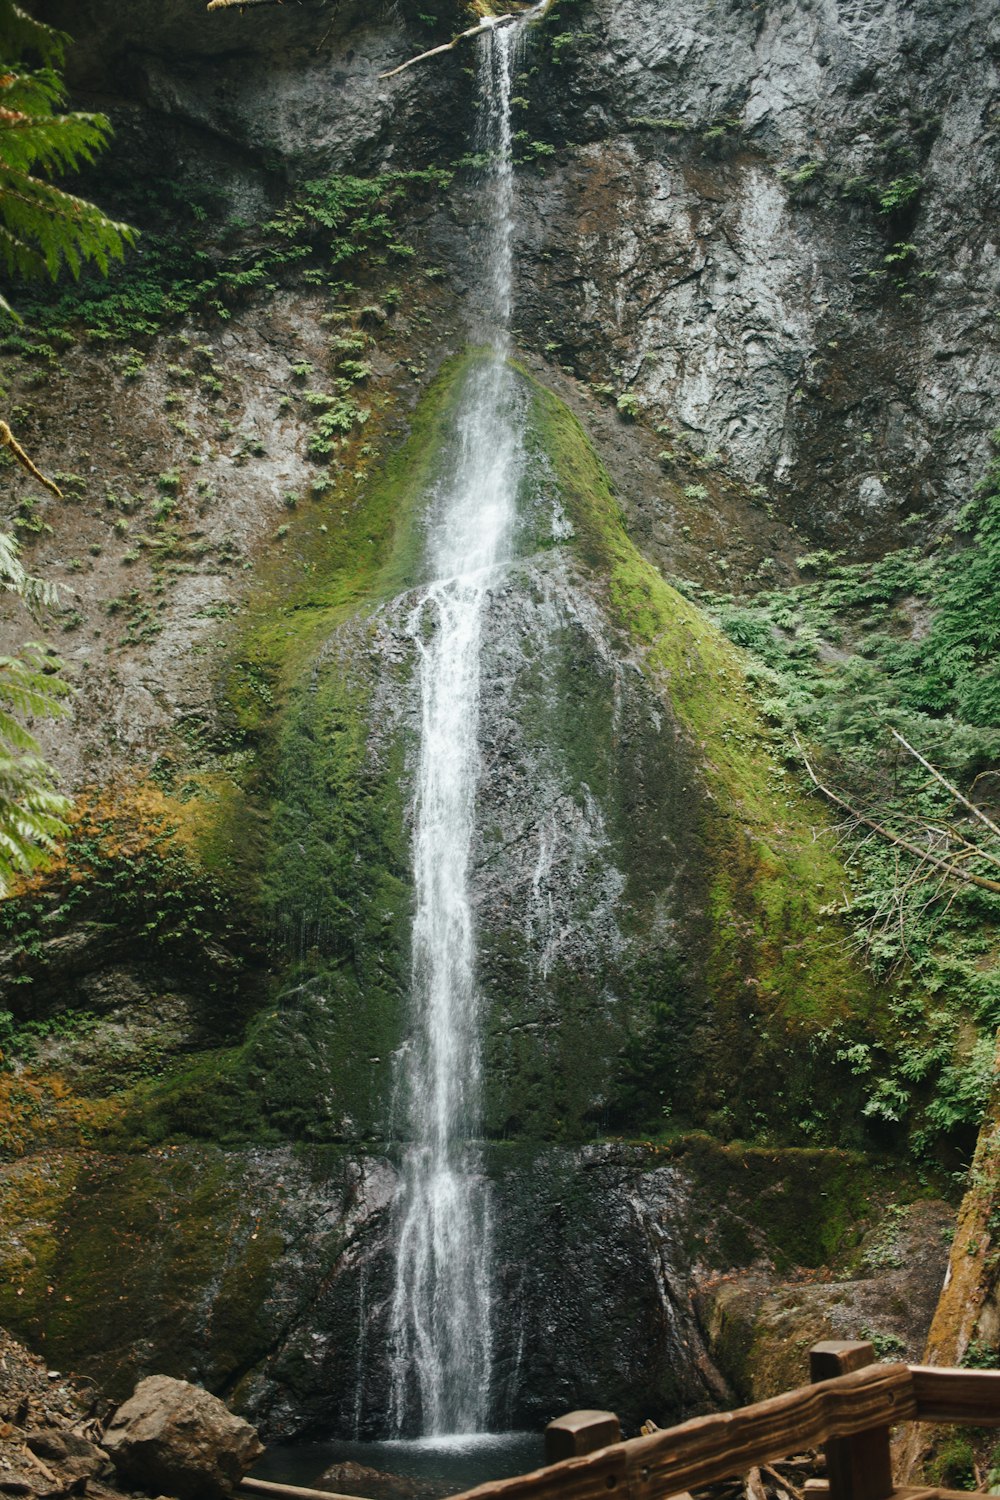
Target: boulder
[[175, 1437], [357, 1479]]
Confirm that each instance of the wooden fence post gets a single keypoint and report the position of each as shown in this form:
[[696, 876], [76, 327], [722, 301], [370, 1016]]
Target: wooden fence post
[[580, 1432], [860, 1467]]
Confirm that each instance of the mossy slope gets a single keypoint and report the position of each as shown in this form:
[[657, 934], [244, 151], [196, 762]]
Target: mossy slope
[[328, 845], [776, 976], [721, 983]]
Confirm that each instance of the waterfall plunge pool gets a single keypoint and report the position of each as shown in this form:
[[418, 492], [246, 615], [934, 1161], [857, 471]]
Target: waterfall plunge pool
[[443, 1465]]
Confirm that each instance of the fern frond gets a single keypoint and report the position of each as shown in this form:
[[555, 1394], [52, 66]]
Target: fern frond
[[45, 226], [12, 570], [32, 810]]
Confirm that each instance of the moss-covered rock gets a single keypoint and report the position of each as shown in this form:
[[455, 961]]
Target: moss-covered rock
[[718, 849], [267, 1274]]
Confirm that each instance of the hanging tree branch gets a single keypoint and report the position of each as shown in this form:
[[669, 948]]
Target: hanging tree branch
[[977, 812], [489, 23], [8, 440], [229, 4], [955, 871]]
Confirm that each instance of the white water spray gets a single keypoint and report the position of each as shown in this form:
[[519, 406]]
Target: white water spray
[[442, 1325]]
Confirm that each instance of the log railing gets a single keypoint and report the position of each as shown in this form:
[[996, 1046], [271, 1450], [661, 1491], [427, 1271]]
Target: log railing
[[848, 1410]]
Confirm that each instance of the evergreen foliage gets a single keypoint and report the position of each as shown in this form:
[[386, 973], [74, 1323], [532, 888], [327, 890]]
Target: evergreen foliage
[[42, 226], [960, 660]]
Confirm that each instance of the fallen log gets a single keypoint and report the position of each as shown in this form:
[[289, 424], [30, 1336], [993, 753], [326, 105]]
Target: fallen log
[[275, 1491]]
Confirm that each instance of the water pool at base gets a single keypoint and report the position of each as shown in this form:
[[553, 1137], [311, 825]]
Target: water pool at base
[[449, 1463]]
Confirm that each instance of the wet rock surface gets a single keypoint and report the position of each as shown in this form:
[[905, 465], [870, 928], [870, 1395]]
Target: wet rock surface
[[59, 1437], [725, 224], [246, 100], [358, 1479], [761, 1333], [625, 1276], [586, 767]]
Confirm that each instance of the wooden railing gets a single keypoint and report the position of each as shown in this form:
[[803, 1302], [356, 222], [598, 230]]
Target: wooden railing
[[848, 1411]]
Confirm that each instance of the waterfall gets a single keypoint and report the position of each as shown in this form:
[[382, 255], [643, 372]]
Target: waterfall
[[442, 1317]]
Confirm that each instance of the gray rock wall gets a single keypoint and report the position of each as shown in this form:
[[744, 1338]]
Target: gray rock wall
[[709, 235], [715, 243]]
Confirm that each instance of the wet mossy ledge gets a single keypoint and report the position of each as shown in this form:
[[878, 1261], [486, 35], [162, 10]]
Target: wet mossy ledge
[[246, 1270]]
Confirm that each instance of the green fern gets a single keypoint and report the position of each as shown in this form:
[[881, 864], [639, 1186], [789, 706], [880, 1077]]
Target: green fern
[[961, 655], [43, 228], [21, 33]]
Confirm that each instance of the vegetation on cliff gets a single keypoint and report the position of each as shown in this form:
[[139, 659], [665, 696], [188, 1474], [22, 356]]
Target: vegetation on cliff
[[778, 982], [906, 644], [42, 226]]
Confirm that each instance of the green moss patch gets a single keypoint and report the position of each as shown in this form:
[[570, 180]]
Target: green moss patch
[[330, 853], [162, 1261]]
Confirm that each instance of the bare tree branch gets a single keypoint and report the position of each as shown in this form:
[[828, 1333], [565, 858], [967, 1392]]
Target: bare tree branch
[[489, 23], [8, 440], [228, 4], [966, 876], [976, 811]]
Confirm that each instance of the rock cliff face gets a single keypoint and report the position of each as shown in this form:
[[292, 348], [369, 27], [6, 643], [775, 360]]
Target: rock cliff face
[[266, 1275], [756, 309], [774, 224], [777, 227]]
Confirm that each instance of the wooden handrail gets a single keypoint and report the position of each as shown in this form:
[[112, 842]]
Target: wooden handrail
[[859, 1467], [849, 1414], [967, 1398], [709, 1448]]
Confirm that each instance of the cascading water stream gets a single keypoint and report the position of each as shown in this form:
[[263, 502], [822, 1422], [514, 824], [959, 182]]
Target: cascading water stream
[[441, 1321]]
